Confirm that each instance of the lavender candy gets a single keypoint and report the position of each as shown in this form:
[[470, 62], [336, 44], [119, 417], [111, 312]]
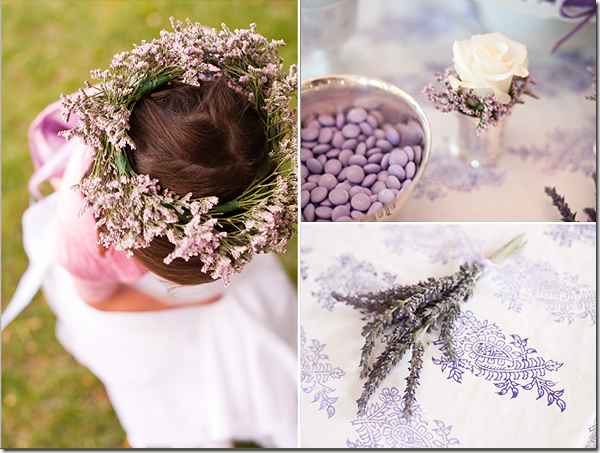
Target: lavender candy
[[328, 181], [309, 185], [309, 134], [321, 148], [340, 211], [340, 120], [304, 172], [326, 120], [372, 168], [369, 180], [356, 115], [304, 198], [351, 130], [350, 144], [398, 157], [305, 154], [386, 196], [324, 212], [393, 136], [318, 194], [345, 156], [334, 152], [357, 159], [322, 158], [338, 139], [325, 135], [355, 174], [338, 196], [397, 171], [309, 212], [374, 207], [366, 128], [344, 219], [375, 158], [409, 152], [333, 167], [384, 145], [314, 178], [392, 182], [410, 170], [360, 202], [378, 186]]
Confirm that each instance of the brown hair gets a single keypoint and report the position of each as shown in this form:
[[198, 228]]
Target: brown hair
[[208, 140]]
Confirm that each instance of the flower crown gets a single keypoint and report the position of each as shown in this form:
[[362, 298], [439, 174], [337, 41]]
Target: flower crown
[[133, 209]]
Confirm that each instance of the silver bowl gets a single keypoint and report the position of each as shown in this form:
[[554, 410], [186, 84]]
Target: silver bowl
[[333, 94]]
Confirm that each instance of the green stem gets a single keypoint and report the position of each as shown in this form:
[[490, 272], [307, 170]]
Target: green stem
[[510, 249]]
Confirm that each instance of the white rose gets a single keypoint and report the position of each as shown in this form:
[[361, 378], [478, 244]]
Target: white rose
[[487, 64]]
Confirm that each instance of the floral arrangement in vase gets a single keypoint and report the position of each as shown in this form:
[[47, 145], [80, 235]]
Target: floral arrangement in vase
[[490, 76]]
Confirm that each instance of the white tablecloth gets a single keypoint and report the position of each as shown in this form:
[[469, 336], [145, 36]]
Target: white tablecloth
[[548, 142], [526, 340]]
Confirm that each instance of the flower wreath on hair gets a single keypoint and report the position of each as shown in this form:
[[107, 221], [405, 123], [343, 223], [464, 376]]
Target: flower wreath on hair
[[133, 209]]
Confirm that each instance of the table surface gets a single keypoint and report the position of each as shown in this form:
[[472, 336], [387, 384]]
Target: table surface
[[525, 340], [548, 142]]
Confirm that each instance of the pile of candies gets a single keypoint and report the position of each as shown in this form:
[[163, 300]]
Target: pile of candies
[[354, 163]]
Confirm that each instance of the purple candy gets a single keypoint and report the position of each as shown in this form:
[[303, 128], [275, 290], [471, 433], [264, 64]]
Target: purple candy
[[333, 166], [338, 196], [361, 137], [379, 134], [409, 152], [356, 214], [392, 136], [356, 189], [309, 145], [378, 186], [304, 198], [340, 211], [397, 171], [328, 181], [325, 135], [382, 175], [304, 172], [345, 156], [366, 128], [392, 182], [372, 168], [360, 202], [305, 154], [357, 115], [374, 207], [322, 158], [309, 212], [318, 194], [326, 120], [418, 154], [351, 130], [372, 151], [344, 185], [350, 144], [335, 152], [386, 196], [369, 180], [340, 120], [370, 142], [398, 157], [372, 121], [309, 185], [357, 159], [338, 139], [385, 161], [309, 134], [361, 148], [375, 158], [321, 148], [378, 116], [355, 174], [314, 178], [384, 145], [323, 212], [342, 175], [410, 170], [326, 202]]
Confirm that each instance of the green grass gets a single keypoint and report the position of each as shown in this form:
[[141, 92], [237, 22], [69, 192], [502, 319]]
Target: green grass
[[48, 48]]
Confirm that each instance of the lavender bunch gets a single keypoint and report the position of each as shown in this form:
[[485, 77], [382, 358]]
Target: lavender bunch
[[133, 209], [563, 208], [487, 108], [399, 317]]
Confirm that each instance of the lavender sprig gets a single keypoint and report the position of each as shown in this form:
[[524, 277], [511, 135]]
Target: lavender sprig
[[486, 108], [563, 208], [402, 315]]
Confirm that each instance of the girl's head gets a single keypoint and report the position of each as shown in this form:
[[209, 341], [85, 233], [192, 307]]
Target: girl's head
[[208, 140]]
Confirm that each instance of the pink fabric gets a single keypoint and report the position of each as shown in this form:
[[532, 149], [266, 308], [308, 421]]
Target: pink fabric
[[76, 248], [96, 277]]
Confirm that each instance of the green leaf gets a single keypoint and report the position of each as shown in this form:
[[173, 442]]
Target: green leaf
[[123, 164]]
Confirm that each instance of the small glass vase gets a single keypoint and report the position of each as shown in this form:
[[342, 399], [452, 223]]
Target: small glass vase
[[477, 148]]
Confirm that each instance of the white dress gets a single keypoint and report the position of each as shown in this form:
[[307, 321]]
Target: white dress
[[189, 377]]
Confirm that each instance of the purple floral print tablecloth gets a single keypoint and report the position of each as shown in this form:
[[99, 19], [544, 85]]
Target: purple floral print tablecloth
[[548, 142], [526, 341]]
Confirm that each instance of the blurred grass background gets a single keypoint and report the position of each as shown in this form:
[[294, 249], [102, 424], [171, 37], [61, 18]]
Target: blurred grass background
[[48, 48]]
